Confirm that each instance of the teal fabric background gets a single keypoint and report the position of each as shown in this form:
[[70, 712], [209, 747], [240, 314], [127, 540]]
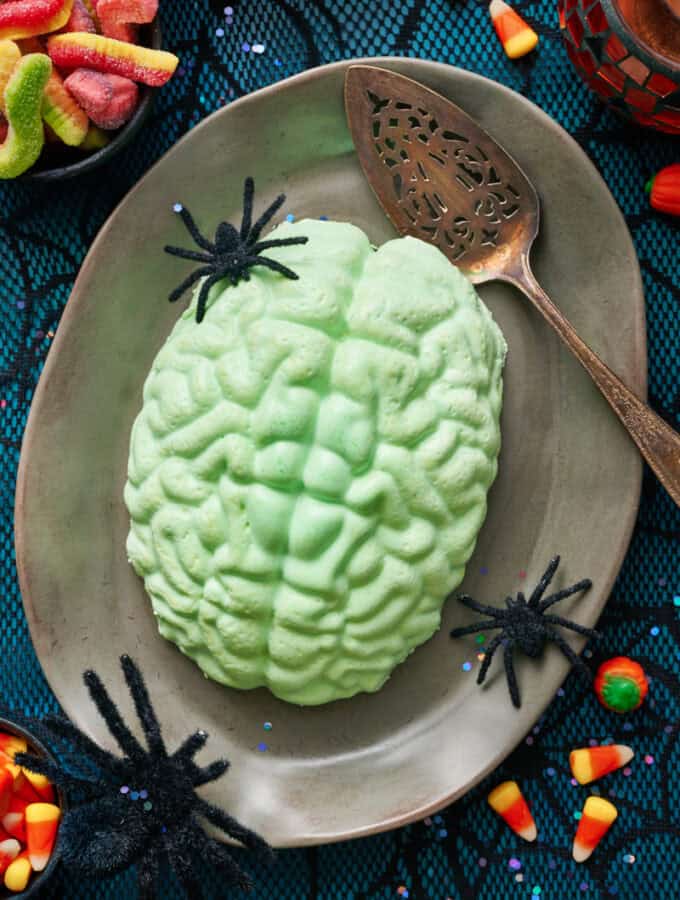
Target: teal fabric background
[[465, 852]]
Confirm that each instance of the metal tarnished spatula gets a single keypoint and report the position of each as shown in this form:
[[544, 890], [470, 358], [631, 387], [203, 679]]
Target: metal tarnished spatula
[[442, 178]]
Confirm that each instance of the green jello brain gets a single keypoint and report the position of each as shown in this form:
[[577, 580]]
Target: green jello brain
[[308, 474]]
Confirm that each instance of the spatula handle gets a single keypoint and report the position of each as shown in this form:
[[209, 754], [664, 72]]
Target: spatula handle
[[657, 441]]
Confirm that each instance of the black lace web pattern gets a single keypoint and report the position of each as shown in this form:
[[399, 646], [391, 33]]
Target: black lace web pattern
[[465, 853]]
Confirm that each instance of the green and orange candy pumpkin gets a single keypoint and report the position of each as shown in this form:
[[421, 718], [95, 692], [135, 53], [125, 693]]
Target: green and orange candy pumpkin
[[664, 190], [621, 684]]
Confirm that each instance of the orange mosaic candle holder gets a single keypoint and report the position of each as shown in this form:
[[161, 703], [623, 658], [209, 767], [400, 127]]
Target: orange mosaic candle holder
[[628, 52]]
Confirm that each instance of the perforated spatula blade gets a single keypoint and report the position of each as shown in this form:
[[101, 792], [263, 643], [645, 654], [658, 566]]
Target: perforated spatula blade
[[440, 177]]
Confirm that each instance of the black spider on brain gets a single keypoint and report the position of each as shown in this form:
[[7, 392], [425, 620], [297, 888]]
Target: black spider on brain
[[233, 252]]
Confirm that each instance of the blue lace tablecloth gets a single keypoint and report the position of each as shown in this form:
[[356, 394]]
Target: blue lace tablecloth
[[465, 852]]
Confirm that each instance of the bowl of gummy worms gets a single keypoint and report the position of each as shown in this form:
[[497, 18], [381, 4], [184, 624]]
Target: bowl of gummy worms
[[77, 79], [31, 809]]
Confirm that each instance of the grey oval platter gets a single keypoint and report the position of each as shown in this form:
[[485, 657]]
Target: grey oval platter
[[569, 477]]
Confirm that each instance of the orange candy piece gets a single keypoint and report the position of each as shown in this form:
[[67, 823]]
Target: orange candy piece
[[590, 763], [40, 784], [22, 786], [9, 850], [14, 820], [6, 790], [508, 802], [596, 819], [11, 743], [517, 37], [18, 873], [42, 822]]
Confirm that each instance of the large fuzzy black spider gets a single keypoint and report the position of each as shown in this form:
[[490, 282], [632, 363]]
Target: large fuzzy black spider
[[140, 808], [232, 253], [525, 625]]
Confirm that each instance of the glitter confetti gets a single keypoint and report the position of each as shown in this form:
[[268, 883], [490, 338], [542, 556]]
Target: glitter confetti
[[228, 10], [529, 740], [402, 890], [649, 759], [560, 692], [148, 806], [21, 305], [481, 862], [578, 814], [550, 771], [178, 207], [583, 886], [536, 890], [262, 747], [466, 666], [519, 877], [654, 630], [245, 46], [257, 48], [676, 599], [443, 833], [427, 821], [514, 863], [522, 574], [220, 32], [480, 638], [3, 404], [267, 726], [484, 570], [662, 582], [290, 217], [629, 858], [627, 771]]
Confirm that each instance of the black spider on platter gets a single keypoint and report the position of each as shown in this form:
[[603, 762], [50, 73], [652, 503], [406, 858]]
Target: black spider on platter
[[525, 625], [141, 808], [233, 252]]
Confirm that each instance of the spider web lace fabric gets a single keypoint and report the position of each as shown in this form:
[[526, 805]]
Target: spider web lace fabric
[[464, 853]]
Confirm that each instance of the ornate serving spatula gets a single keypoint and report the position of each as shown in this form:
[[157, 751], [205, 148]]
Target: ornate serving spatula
[[442, 178]]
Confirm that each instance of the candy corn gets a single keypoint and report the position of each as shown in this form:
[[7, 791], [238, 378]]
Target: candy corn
[[10, 744], [6, 785], [508, 802], [14, 820], [596, 820], [40, 784], [517, 37], [24, 18], [590, 763], [22, 786], [18, 873], [93, 51], [9, 850], [42, 821]]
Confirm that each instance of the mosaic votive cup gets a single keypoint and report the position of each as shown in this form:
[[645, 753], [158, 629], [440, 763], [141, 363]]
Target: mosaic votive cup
[[628, 52]]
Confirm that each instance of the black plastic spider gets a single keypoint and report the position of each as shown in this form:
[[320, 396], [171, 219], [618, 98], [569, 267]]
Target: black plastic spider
[[525, 625], [140, 808], [233, 253]]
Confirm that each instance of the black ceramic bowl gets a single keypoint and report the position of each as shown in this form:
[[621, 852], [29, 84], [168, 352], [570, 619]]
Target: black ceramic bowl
[[59, 162], [38, 879]]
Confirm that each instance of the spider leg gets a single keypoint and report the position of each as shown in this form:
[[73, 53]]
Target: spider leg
[[184, 851], [203, 295], [487, 624], [218, 855], [211, 772], [482, 608], [283, 242], [190, 747], [108, 710], [188, 254], [42, 766], [488, 656], [540, 588], [192, 228], [248, 192], [148, 872], [573, 658], [143, 706], [189, 281], [268, 214], [566, 592], [106, 761], [573, 626], [512, 678], [272, 264], [234, 829]]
